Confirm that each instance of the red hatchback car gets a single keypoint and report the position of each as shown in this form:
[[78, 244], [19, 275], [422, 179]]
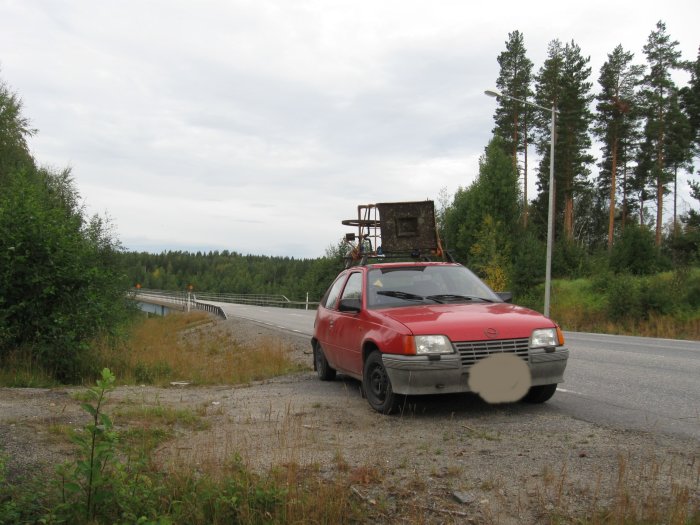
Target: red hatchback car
[[428, 327]]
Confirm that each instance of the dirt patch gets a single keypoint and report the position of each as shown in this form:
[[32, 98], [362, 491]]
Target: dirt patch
[[445, 458]]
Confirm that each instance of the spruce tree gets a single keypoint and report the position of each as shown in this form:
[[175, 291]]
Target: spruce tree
[[512, 117], [616, 124], [494, 193]]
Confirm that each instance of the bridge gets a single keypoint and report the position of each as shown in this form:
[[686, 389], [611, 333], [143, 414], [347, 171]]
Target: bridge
[[162, 301]]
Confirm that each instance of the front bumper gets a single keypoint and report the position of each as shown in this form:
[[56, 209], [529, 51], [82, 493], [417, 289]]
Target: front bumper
[[419, 375]]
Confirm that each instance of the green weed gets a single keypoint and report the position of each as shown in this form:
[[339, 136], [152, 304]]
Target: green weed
[[86, 484]]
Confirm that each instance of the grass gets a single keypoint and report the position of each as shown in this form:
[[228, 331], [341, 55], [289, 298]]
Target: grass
[[640, 492], [161, 415], [22, 370], [188, 347], [159, 350], [635, 491]]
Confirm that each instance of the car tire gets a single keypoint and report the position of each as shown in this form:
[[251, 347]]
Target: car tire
[[324, 371], [540, 393], [377, 385]]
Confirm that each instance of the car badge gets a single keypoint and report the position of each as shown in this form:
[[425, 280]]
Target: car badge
[[491, 333]]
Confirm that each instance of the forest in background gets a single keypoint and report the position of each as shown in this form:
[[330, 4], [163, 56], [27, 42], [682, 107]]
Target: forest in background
[[231, 272]]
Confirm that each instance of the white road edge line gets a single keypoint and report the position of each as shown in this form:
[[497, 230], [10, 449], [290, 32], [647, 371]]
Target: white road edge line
[[568, 391]]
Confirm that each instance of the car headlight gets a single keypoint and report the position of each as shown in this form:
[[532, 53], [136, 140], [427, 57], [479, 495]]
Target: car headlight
[[544, 338], [432, 344]]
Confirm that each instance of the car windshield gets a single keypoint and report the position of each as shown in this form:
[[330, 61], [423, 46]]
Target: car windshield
[[411, 285]]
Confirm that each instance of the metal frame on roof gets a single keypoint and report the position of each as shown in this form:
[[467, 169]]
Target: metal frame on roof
[[394, 230]]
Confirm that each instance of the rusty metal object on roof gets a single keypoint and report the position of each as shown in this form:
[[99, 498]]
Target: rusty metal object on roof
[[394, 229], [408, 227]]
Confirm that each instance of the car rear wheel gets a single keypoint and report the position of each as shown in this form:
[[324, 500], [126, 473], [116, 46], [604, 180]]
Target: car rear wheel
[[377, 386], [540, 393], [323, 369]]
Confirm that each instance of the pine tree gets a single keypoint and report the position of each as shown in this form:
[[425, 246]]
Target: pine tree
[[563, 82], [659, 89], [679, 148], [617, 123], [512, 117], [690, 103]]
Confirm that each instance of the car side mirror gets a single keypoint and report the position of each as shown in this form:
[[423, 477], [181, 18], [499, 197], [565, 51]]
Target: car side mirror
[[506, 297], [350, 305]]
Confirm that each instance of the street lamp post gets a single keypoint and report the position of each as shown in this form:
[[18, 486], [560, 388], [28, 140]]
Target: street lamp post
[[550, 213]]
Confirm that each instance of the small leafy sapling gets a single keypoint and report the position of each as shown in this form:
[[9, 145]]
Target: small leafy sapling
[[86, 483]]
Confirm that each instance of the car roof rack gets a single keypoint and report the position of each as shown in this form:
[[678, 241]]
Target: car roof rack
[[394, 230], [366, 259]]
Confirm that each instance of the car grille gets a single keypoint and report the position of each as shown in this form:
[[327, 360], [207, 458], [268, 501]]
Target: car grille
[[473, 351]]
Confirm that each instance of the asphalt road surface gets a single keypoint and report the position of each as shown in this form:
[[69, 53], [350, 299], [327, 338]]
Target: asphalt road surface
[[629, 382], [633, 382]]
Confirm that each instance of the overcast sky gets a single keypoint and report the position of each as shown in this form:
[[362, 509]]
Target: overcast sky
[[257, 126]]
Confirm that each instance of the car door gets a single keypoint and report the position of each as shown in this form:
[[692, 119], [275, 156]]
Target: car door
[[347, 330], [326, 318]]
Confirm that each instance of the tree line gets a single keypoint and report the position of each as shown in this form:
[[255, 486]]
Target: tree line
[[232, 272], [647, 128]]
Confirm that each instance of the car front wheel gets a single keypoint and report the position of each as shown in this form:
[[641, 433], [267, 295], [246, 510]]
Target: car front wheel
[[540, 394], [377, 386], [323, 369]]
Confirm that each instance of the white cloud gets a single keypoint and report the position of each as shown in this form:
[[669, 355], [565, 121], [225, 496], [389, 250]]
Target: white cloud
[[259, 126]]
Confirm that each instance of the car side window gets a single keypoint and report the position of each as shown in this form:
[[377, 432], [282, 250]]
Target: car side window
[[353, 290], [333, 292]]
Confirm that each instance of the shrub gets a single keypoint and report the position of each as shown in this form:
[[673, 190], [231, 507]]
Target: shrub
[[635, 252], [528, 269], [60, 285], [569, 259], [624, 299]]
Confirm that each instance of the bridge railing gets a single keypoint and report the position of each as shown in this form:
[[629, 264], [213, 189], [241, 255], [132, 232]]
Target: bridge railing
[[182, 298], [179, 298], [176, 300], [280, 301]]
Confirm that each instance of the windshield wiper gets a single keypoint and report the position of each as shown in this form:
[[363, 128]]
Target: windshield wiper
[[450, 297], [401, 295]]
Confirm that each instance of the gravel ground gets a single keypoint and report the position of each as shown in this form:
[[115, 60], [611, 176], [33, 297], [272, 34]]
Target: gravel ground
[[445, 459]]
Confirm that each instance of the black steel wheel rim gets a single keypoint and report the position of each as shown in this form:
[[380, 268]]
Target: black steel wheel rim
[[378, 382]]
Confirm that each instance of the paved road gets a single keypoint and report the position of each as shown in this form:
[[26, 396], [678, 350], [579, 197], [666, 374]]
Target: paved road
[[293, 320], [633, 382], [628, 382]]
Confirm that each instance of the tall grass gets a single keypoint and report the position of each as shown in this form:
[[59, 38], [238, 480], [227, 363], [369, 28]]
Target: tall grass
[[193, 348], [640, 492], [22, 369]]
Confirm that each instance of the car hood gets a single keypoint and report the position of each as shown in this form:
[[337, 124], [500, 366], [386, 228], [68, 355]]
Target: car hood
[[471, 321]]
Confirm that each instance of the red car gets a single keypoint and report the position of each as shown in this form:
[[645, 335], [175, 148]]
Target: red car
[[433, 327]]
